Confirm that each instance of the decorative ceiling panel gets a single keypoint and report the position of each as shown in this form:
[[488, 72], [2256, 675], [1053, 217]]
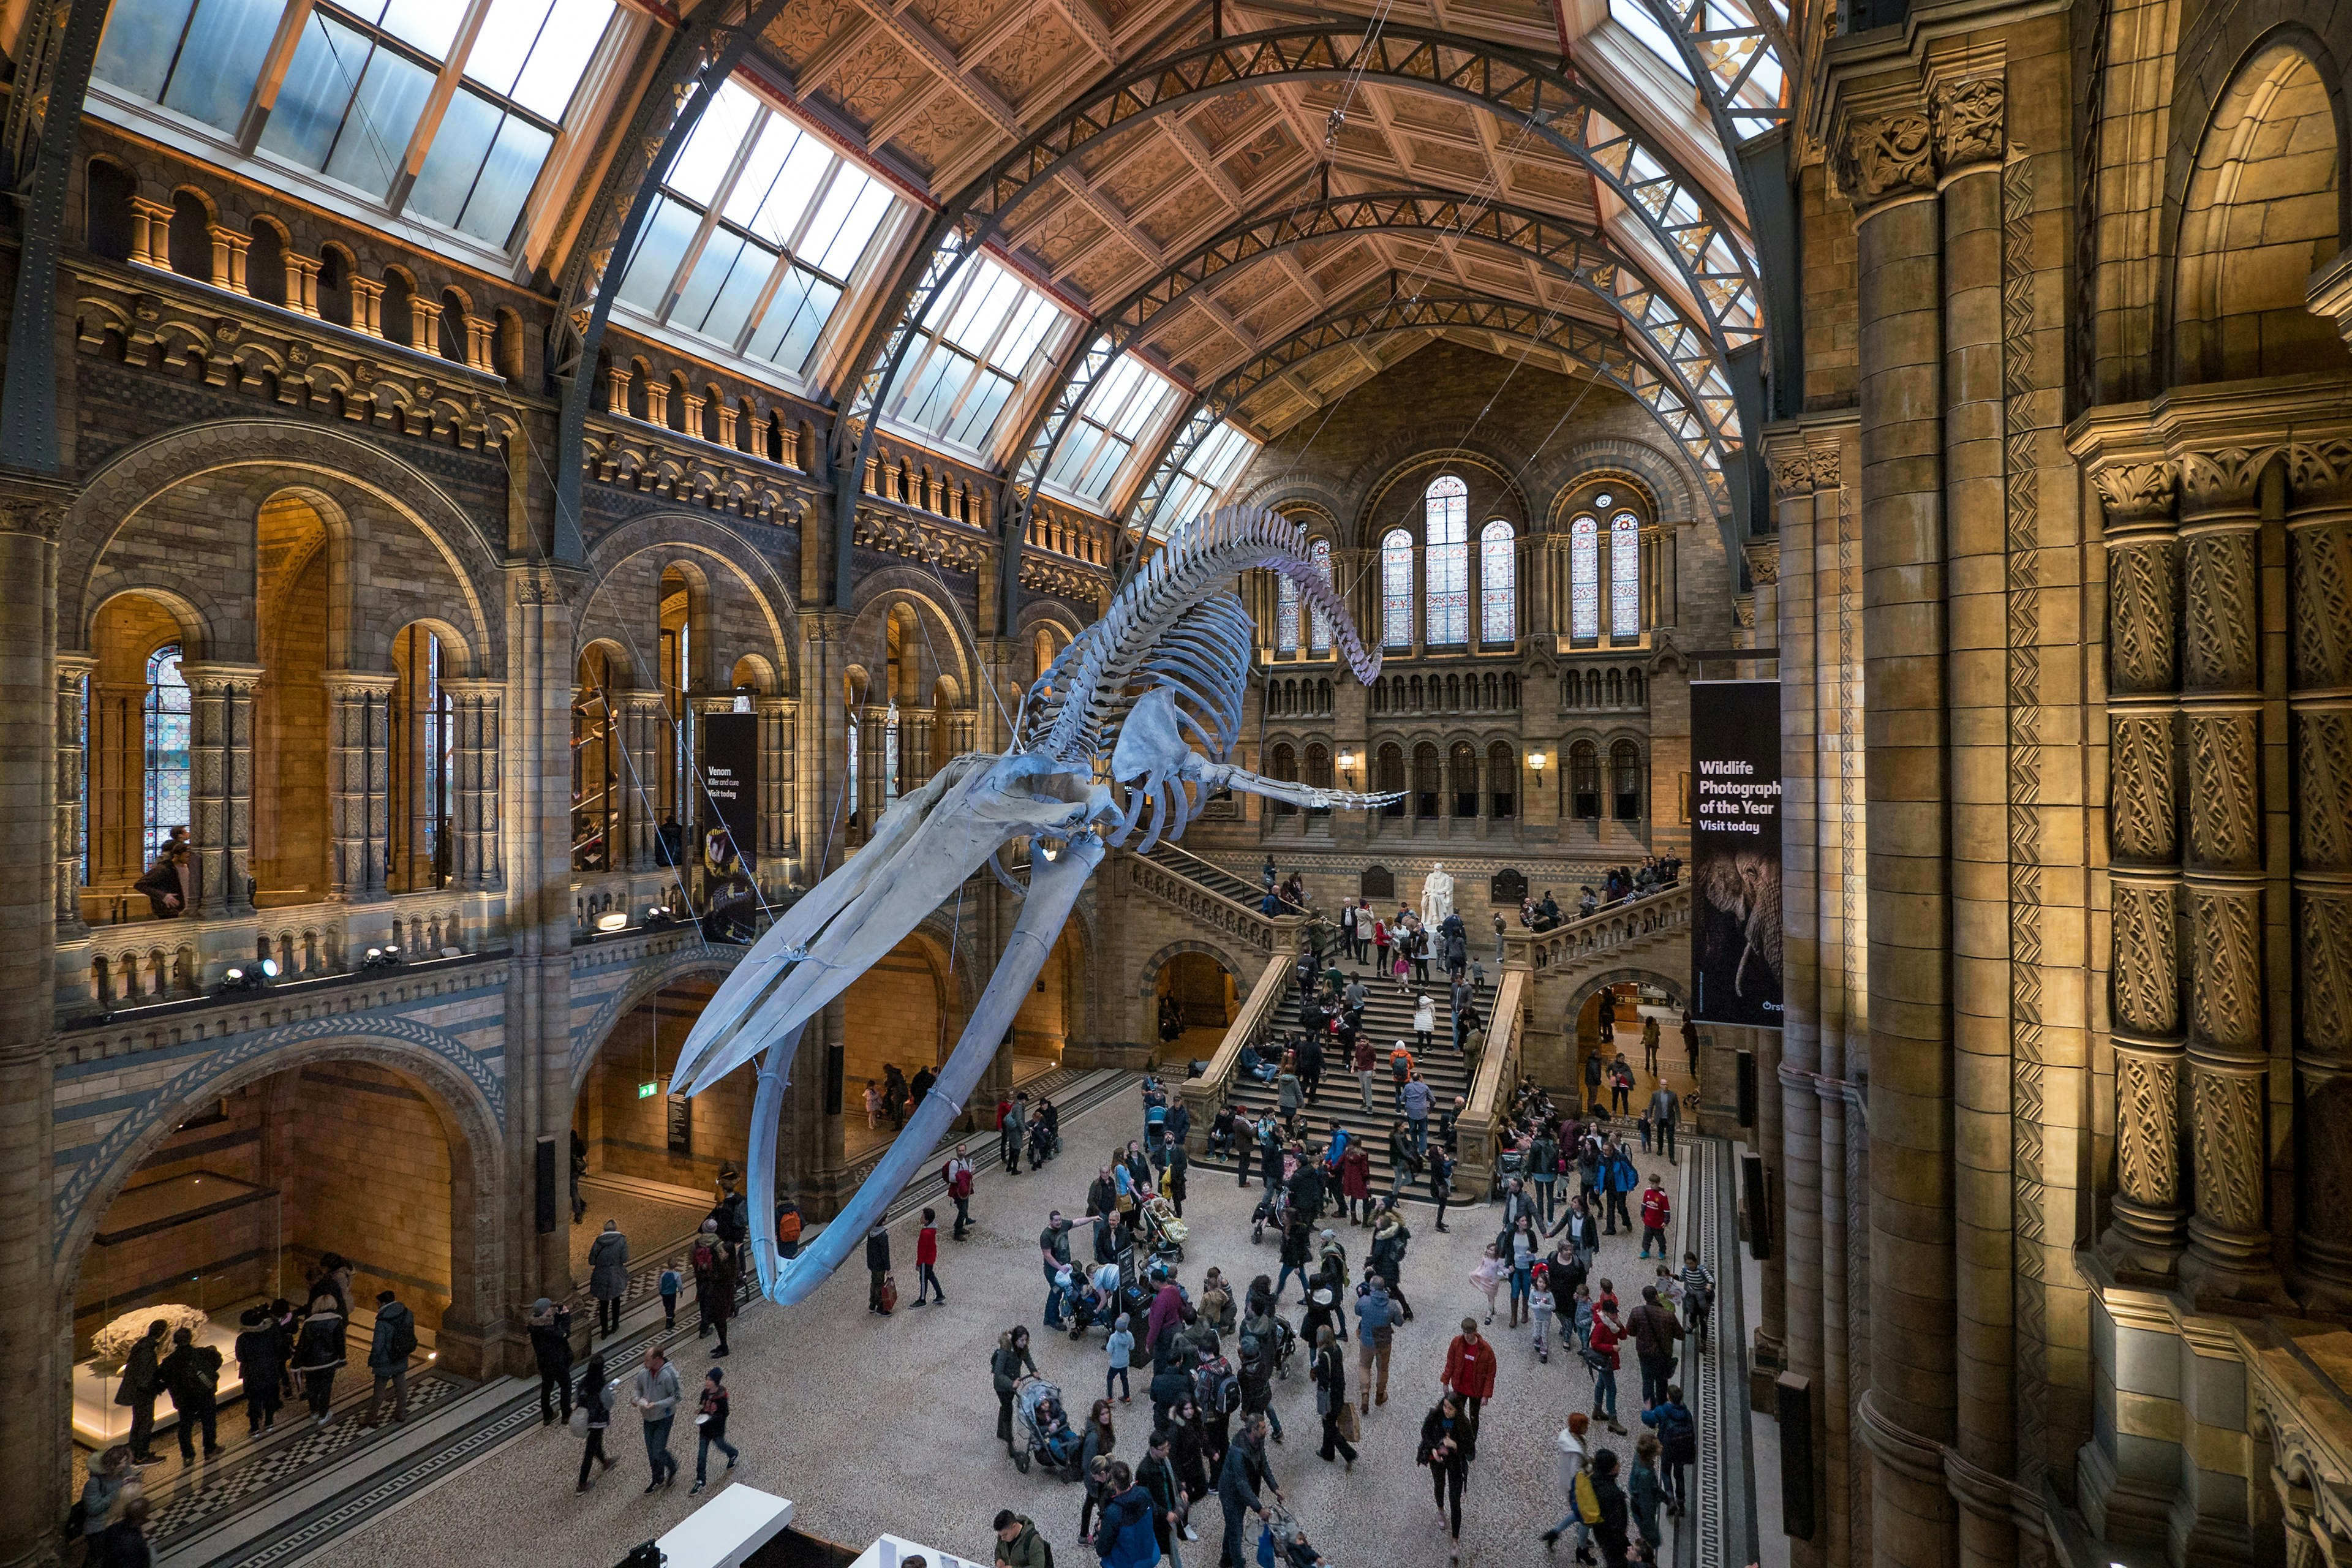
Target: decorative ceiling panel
[[877, 74], [1270, 148], [1032, 53], [1280, 309], [1152, 164], [1254, 284], [1104, 265], [1341, 271], [1460, 163], [805, 23], [1181, 213], [1224, 120], [957, 22], [1415, 112], [1069, 227], [943, 126]]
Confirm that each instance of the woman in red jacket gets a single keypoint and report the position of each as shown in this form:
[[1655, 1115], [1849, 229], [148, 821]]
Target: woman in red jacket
[[1603, 1360], [1470, 1369]]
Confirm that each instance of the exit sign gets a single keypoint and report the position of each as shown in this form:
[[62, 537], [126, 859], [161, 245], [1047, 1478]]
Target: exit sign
[[646, 1090]]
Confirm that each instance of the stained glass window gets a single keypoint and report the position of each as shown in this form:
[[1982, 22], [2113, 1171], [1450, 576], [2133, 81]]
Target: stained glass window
[[1396, 589], [1624, 575], [1286, 615], [1446, 512], [1584, 578], [1498, 583], [1318, 625], [167, 726]]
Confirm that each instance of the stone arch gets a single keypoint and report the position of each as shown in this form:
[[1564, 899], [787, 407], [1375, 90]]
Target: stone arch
[[942, 624], [1149, 982], [1677, 988], [195, 621], [684, 538], [588, 1039], [1672, 489], [1378, 476], [466, 1097], [2262, 207], [264, 458]]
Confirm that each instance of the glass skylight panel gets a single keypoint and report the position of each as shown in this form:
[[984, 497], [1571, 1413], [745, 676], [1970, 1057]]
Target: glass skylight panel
[[1213, 464], [978, 339], [1127, 399], [534, 52], [717, 138], [1635, 18], [839, 253], [430, 25]]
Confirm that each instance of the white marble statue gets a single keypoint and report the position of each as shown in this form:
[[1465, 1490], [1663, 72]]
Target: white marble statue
[[1436, 896]]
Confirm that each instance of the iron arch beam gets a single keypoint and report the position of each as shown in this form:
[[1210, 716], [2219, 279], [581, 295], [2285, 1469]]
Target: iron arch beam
[[1684, 349], [1707, 249], [701, 54], [1599, 353]]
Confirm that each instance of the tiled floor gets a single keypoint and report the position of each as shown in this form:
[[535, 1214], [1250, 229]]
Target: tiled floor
[[872, 1425]]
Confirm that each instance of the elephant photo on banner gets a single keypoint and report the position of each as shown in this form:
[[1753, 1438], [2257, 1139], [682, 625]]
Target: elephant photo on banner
[[1736, 852]]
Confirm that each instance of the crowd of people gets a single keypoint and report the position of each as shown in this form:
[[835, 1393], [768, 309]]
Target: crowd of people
[[1619, 885]]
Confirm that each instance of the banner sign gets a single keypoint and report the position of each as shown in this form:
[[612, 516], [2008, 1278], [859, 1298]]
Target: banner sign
[[1736, 852], [730, 773]]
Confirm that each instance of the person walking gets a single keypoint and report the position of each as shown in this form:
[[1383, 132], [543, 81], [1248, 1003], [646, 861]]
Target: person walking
[[715, 1273], [550, 1350], [878, 1265], [1096, 1442], [1601, 1355], [1425, 1021], [1417, 1099], [1617, 1178], [190, 1374], [1019, 1543], [138, 1389], [1470, 1368], [1543, 1169], [1128, 1538], [608, 1276], [1366, 1063], [655, 1392], [1690, 1046], [1158, 1476], [1449, 1441], [260, 1367], [1120, 1349], [927, 1258], [1644, 1495], [1295, 1243], [1654, 1328], [1573, 1457], [1609, 1529], [1665, 1115], [1331, 1396], [1677, 1443], [1657, 1212], [710, 1428], [389, 1348], [1242, 1482], [1006, 1365], [317, 1355], [1650, 1043], [595, 1403], [959, 1175], [1441, 1181]]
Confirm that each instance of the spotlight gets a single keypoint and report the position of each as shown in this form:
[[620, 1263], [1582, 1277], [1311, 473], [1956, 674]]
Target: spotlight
[[382, 958], [255, 979], [268, 969], [616, 921]]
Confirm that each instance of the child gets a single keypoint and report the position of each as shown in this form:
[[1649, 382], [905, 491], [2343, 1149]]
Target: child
[[1122, 1347], [927, 1258], [710, 1428], [1540, 1311], [1642, 1493], [1656, 1210], [1642, 1126], [1488, 1276], [669, 1287], [873, 1107], [1583, 1310]]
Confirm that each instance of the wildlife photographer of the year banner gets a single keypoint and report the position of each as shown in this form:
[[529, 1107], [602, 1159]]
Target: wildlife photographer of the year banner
[[1736, 852]]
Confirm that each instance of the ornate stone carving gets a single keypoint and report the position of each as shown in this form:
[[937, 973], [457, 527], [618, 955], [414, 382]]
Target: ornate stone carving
[[2321, 593], [1886, 155], [2140, 616], [2135, 492], [1743, 609], [1969, 117], [2147, 964], [2226, 1005], [2223, 834], [2223, 622], [537, 588], [1826, 468], [1764, 560], [40, 516], [2140, 792], [2323, 754], [2222, 480], [2325, 955], [2229, 1147], [2147, 1128], [1792, 473]]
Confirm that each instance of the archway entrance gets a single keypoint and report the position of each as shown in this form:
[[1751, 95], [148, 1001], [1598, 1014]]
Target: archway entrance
[[651, 1161], [342, 1178], [1050, 1015], [1196, 1004], [904, 1014], [1631, 1003]]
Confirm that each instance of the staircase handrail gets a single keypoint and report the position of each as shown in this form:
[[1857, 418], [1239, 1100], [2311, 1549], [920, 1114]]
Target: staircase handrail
[[1627, 920], [1256, 1020], [1498, 1070], [1277, 936]]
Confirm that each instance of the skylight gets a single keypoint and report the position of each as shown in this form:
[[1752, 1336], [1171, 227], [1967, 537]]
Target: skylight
[[1125, 402], [984, 336], [1212, 466]]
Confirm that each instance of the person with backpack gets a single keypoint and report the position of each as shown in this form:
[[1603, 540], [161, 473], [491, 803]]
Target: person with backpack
[[1617, 1178], [1679, 1445], [393, 1341], [1643, 1492], [1543, 1168], [1260, 1344], [1376, 1319], [1575, 1486], [959, 1176], [260, 1367], [1019, 1543], [190, 1374], [877, 1269], [787, 1229], [550, 1350], [713, 1262], [1449, 1441], [317, 1355], [1654, 1328], [1609, 1514]]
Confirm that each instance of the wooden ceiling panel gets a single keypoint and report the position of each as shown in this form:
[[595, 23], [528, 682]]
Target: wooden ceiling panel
[[1032, 57]]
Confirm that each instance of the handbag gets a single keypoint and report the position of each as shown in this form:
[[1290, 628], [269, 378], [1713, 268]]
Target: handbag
[[1323, 1402], [578, 1425], [889, 1293], [1351, 1427]]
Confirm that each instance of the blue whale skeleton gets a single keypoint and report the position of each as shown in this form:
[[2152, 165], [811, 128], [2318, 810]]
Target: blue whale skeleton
[[1167, 665]]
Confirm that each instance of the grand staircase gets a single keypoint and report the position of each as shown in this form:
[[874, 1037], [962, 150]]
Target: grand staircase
[[1213, 878], [1388, 1018]]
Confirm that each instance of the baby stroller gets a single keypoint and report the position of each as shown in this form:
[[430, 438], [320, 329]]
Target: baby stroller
[[1164, 1233], [1046, 1430], [1282, 1543], [1273, 1209]]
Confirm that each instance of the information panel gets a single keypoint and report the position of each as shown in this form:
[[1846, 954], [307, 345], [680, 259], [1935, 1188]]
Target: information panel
[[730, 773], [1736, 852]]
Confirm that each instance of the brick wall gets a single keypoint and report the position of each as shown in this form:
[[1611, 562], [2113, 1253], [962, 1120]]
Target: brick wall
[[362, 1158], [893, 1016], [291, 831]]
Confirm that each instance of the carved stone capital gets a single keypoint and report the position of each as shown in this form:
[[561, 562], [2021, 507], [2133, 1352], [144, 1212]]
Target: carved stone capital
[[2222, 480], [1827, 465], [1743, 609], [1792, 473], [1764, 560], [1881, 156], [1969, 117], [2135, 492], [532, 586]]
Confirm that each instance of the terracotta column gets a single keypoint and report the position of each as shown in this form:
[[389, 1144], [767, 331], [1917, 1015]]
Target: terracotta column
[[1886, 157], [776, 845], [33, 1383], [2229, 504], [358, 708], [474, 704], [76, 672], [220, 793]]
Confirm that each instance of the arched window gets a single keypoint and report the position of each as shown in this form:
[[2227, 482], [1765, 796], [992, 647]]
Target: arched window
[[1462, 778], [890, 752], [421, 772], [1625, 575], [1396, 589], [1625, 780], [1498, 585], [1584, 577], [1318, 625], [1283, 765], [1502, 780], [1445, 516], [167, 714], [1584, 781], [1428, 783], [1389, 778], [1318, 773]]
